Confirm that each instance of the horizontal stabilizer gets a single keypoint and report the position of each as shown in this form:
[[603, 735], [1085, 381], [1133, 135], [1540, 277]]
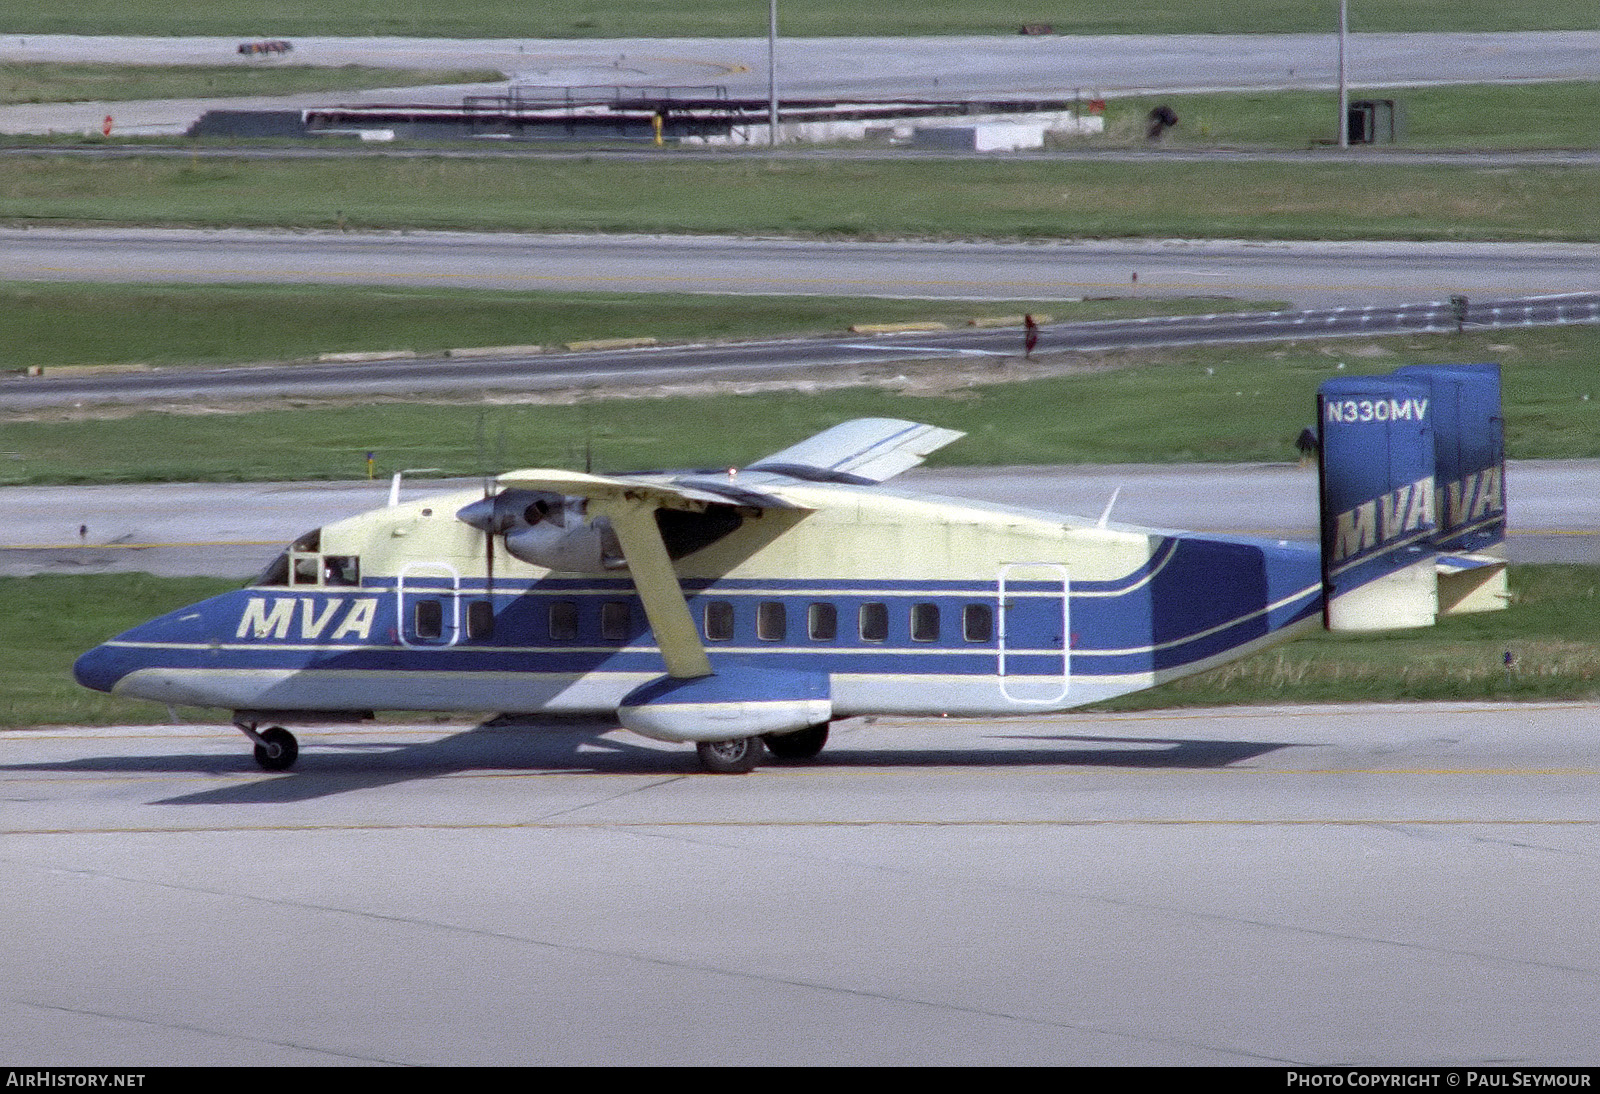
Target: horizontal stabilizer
[[1471, 583], [862, 451]]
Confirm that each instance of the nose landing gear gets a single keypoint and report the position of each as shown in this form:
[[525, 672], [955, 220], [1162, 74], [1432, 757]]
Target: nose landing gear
[[276, 748]]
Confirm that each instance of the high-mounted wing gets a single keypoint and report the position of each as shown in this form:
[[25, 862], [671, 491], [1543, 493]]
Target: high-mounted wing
[[630, 506], [862, 451], [691, 494]]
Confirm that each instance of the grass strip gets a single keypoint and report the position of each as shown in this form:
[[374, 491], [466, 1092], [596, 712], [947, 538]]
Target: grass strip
[[815, 18], [1224, 404], [861, 199], [63, 324], [1473, 116], [1548, 631], [38, 82], [47, 621]]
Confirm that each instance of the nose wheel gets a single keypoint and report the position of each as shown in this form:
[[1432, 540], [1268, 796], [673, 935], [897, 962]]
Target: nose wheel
[[276, 748]]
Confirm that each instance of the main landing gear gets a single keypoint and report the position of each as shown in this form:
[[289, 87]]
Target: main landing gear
[[802, 744], [736, 757], [276, 748], [741, 755]]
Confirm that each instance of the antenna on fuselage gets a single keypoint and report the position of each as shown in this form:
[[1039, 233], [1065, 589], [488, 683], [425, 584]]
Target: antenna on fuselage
[[1106, 514], [394, 483]]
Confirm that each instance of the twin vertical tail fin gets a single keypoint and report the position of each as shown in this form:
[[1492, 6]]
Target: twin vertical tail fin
[[1413, 496]]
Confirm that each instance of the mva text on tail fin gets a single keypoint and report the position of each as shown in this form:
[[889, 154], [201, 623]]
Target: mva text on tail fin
[[1413, 495]]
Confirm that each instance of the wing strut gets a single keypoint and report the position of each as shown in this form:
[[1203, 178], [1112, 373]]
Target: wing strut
[[631, 505], [634, 521]]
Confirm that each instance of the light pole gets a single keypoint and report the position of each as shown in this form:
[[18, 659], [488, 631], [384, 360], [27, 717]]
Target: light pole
[[772, 72], [1344, 74]]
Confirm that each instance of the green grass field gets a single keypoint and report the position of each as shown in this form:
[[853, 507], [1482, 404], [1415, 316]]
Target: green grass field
[[46, 622], [1249, 406], [55, 324], [742, 18], [1475, 116], [63, 83], [1548, 630], [836, 198]]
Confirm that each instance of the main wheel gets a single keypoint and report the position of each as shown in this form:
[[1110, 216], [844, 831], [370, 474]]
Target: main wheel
[[278, 749], [736, 757], [802, 744]]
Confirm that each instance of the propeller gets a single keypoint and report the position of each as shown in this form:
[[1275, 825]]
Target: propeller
[[493, 515], [488, 516]]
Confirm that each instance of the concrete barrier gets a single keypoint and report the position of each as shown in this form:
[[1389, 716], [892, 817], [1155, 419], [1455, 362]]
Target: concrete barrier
[[86, 370], [356, 358], [894, 328], [494, 351], [1004, 320], [611, 343]]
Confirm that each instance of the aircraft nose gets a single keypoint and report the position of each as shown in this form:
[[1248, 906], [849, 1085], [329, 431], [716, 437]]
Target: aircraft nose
[[101, 668]]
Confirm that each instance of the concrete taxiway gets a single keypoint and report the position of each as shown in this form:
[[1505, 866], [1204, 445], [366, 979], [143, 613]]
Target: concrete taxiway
[[235, 529], [1306, 274], [1306, 885]]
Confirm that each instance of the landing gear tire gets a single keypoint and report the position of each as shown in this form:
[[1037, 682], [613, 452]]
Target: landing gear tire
[[736, 757], [802, 744], [278, 749]]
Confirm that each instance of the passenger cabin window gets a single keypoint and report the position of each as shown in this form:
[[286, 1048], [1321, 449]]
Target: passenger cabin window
[[874, 620], [430, 619], [924, 622], [563, 621], [719, 621], [480, 619], [615, 620], [822, 622], [772, 621], [977, 623]]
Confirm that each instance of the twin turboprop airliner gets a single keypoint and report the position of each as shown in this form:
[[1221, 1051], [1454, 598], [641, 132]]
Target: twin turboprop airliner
[[744, 610]]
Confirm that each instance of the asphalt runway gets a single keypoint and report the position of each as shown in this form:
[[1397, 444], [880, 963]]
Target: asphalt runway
[[1306, 274], [1297, 885], [235, 529]]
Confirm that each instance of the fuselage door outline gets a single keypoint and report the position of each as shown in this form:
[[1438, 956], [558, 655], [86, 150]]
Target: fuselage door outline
[[449, 599], [1012, 641]]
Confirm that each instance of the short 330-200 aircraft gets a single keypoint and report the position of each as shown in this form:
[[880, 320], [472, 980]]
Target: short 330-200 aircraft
[[744, 610]]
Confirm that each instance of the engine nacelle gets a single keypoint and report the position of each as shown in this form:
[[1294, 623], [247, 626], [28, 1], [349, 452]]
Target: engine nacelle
[[585, 549], [546, 529]]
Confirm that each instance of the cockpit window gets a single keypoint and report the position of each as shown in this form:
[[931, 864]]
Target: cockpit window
[[303, 564], [276, 573], [304, 569], [341, 570]]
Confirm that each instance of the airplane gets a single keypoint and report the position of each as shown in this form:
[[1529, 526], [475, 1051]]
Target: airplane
[[743, 610]]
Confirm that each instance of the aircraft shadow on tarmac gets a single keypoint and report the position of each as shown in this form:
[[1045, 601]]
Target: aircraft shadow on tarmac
[[337, 767]]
